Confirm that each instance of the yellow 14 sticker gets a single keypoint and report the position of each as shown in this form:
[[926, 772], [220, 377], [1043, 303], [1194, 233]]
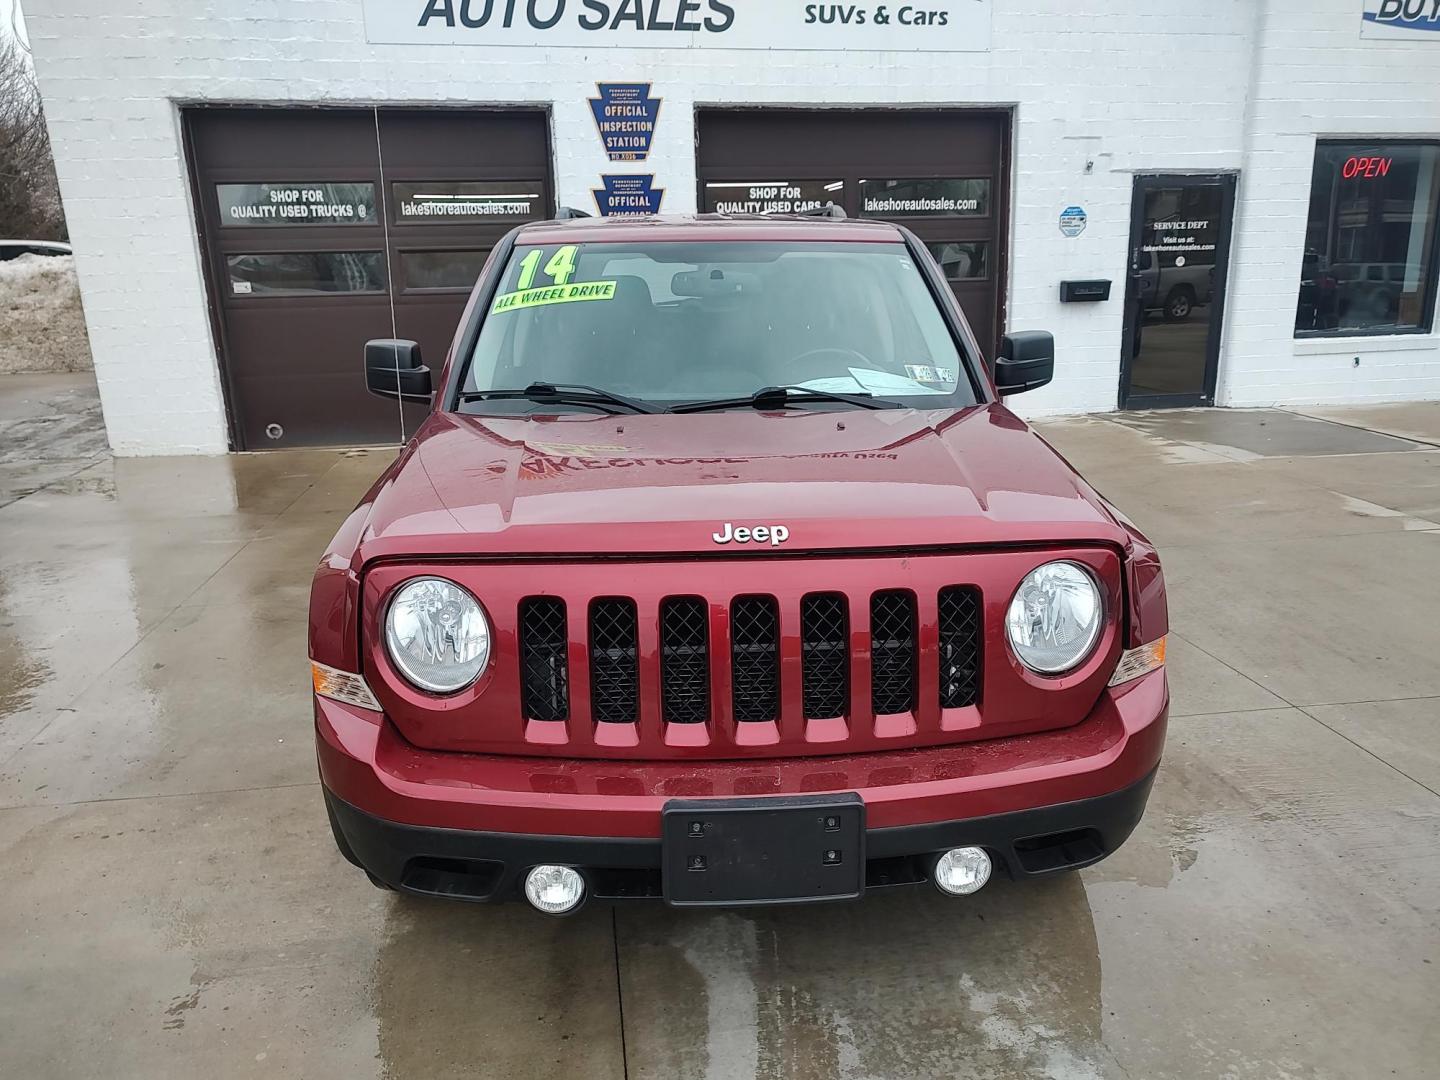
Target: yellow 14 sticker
[[560, 269]]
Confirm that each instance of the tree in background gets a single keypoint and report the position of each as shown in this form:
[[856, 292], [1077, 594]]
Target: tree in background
[[29, 193]]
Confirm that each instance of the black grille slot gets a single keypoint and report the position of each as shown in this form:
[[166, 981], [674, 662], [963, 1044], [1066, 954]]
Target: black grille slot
[[684, 660], [825, 655], [959, 647], [755, 658], [614, 661], [544, 667], [892, 652]]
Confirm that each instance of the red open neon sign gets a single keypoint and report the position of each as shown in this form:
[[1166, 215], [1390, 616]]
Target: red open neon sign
[[1367, 167]]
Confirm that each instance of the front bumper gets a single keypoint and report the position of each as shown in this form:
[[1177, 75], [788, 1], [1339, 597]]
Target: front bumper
[[468, 826], [483, 867]]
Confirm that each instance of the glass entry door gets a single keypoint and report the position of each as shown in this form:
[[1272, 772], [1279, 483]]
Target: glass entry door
[[1175, 293]]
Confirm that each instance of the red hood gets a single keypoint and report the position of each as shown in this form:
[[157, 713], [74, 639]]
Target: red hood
[[663, 484]]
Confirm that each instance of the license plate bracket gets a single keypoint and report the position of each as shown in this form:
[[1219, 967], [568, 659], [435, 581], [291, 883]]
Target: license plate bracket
[[770, 850]]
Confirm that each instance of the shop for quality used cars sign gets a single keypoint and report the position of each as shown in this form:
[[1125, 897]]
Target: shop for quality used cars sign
[[911, 25]]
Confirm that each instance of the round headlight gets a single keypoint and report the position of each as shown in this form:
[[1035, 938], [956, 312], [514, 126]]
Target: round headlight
[[1055, 618], [437, 635]]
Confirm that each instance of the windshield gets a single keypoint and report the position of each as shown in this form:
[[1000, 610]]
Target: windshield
[[670, 323]]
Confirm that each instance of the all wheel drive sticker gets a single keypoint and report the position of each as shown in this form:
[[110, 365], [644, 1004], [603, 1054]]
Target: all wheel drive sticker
[[560, 269]]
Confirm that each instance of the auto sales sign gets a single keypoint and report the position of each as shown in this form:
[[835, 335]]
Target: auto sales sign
[[1401, 20], [918, 26]]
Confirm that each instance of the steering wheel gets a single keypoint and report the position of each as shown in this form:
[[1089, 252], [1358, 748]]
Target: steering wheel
[[850, 356]]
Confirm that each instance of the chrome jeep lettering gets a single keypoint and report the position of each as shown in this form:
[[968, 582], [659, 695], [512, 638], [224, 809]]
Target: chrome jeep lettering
[[774, 535]]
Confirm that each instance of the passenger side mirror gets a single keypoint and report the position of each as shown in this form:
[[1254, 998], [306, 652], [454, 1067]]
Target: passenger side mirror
[[1026, 361], [393, 370]]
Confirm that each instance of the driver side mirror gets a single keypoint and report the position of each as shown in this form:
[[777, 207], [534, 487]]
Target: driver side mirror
[[393, 369], [1026, 361]]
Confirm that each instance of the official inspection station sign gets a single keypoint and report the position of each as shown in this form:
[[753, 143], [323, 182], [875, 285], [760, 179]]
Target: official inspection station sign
[[625, 117], [628, 196], [926, 26]]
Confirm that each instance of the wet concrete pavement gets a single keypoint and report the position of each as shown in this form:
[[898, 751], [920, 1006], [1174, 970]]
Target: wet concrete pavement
[[172, 904]]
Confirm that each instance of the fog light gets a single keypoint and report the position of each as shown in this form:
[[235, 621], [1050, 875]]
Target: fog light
[[555, 890], [962, 871]]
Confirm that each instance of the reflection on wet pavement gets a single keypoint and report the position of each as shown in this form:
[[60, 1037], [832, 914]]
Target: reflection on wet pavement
[[902, 985], [501, 994], [173, 905]]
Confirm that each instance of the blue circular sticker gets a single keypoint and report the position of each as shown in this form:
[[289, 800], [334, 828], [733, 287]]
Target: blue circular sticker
[[1073, 220]]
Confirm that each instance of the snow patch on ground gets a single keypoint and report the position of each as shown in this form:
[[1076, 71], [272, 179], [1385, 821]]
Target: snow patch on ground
[[42, 326]]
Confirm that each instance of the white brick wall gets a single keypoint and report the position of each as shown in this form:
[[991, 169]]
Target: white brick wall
[[1316, 78], [1134, 85]]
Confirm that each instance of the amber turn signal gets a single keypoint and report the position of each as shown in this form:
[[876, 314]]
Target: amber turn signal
[[1137, 662], [342, 686]]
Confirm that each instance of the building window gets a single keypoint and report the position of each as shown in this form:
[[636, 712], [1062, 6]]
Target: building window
[[251, 206], [442, 269], [305, 273], [962, 260], [924, 198], [1370, 240], [466, 203]]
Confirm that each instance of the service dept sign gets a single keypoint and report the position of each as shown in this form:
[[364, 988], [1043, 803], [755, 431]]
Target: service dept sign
[[921, 26]]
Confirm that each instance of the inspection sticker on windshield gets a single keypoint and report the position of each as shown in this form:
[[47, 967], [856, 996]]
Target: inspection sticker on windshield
[[924, 373], [554, 294]]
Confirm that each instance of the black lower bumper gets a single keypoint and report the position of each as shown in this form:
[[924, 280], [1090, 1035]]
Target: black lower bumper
[[484, 867]]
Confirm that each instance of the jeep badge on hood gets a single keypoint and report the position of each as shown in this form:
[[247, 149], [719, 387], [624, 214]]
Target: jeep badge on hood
[[774, 535]]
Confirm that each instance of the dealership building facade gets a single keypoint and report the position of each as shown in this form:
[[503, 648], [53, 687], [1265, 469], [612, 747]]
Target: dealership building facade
[[1230, 203]]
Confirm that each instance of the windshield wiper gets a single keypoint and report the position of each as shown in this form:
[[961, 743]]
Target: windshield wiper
[[778, 397], [543, 393]]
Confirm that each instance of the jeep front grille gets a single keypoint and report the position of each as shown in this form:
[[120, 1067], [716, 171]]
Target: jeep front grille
[[829, 674], [825, 655], [893, 652], [544, 664], [685, 660], [959, 647], [614, 661], [755, 658]]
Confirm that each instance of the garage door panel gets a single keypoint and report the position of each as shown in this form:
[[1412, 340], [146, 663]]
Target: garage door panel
[[353, 416], [457, 183], [284, 340], [484, 140], [319, 249], [868, 143], [248, 140]]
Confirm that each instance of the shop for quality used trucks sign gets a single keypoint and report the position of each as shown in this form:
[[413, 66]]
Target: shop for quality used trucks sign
[[918, 26]]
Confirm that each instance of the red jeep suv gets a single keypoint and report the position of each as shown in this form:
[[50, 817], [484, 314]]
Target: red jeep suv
[[719, 573]]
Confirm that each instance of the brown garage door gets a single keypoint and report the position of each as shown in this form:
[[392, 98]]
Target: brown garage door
[[326, 227], [943, 174]]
